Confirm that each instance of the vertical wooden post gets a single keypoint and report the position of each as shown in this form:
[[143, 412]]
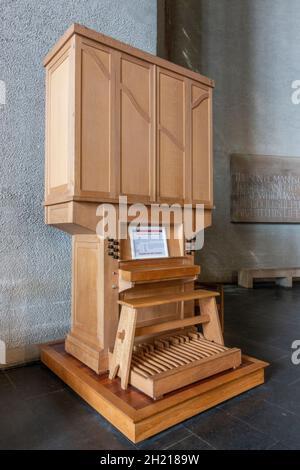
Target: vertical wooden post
[[211, 330], [121, 356]]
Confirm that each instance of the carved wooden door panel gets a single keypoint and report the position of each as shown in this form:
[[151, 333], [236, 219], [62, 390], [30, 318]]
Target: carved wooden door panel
[[171, 135], [59, 104], [201, 143], [136, 84], [94, 126]]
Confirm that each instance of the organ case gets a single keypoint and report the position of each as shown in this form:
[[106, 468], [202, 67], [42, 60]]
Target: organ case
[[122, 122]]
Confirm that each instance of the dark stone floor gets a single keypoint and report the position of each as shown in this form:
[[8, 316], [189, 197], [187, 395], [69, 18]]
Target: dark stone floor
[[37, 411]]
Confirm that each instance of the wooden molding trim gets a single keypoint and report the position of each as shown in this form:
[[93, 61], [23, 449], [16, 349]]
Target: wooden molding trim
[[172, 137], [199, 100], [99, 63], [134, 102]]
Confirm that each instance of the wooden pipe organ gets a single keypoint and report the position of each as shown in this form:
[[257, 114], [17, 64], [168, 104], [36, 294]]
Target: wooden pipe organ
[[121, 122]]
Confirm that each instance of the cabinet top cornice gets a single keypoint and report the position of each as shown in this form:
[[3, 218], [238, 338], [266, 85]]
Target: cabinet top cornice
[[118, 45]]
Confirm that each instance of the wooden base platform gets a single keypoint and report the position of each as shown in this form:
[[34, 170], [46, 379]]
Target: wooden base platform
[[135, 414]]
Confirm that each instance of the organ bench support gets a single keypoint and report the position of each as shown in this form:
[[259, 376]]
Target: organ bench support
[[121, 122]]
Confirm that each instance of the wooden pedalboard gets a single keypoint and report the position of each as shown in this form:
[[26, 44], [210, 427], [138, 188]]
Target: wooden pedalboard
[[138, 416], [178, 360]]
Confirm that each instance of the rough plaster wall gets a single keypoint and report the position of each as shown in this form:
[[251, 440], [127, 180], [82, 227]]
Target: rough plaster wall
[[251, 49], [35, 261]]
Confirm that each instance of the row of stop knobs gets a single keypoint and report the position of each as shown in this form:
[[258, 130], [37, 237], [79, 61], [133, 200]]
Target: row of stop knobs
[[190, 247], [113, 248]]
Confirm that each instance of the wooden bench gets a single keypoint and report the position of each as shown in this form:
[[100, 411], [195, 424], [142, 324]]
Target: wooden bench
[[283, 276]]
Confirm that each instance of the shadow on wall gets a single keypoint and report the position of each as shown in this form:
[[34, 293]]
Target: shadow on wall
[[194, 36], [249, 48], [179, 30]]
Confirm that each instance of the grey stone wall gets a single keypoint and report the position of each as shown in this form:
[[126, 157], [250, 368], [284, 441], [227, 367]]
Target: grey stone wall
[[251, 49], [35, 261]]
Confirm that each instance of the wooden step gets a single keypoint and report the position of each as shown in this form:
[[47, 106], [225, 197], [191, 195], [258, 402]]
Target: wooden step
[[168, 298], [171, 325]]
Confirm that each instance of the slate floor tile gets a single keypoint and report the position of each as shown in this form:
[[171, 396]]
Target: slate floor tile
[[222, 431], [165, 439], [279, 446], [34, 380], [272, 332], [280, 394], [192, 442], [253, 348], [90, 435], [3, 379], [284, 337], [19, 426], [284, 371], [267, 417], [58, 420], [7, 391]]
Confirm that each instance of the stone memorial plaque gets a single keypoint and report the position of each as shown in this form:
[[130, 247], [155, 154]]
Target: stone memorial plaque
[[265, 189]]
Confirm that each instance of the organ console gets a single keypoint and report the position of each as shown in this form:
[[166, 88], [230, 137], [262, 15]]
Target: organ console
[[121, 122]]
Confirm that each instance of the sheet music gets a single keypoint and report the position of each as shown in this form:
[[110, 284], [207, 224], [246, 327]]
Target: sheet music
[[148, 242]]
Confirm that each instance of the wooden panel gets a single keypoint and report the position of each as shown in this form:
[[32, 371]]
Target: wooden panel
[[137, 119], [171, 136], [59, 214], [201, 143], [94, 308], [86, 315], [97, 153], [59, 101]]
